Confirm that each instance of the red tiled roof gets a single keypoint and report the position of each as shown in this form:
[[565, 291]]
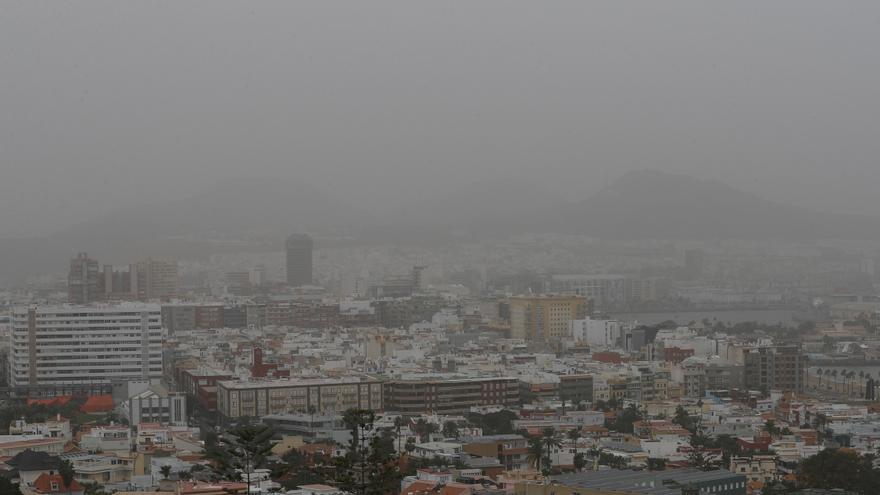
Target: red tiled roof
[[98, 404], [43, 484], [419, 487], [451, 489]]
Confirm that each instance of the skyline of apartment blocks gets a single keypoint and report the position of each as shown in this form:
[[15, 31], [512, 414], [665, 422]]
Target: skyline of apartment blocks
[[143, 280], [299, 249], [68, 344], [237, 399], [178, 317], [545, 317], [609, 290]]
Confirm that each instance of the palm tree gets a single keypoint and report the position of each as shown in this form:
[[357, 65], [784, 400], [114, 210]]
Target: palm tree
[[548, 438], [166, 471], [398, 424], [574, 435], [535, 452], [424, 429], [450, 429]]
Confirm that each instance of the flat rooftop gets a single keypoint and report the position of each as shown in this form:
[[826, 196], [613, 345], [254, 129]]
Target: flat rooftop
[[293, 382], [664, 482]]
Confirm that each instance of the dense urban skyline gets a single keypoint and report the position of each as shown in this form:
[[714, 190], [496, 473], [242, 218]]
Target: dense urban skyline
[[401, 248]]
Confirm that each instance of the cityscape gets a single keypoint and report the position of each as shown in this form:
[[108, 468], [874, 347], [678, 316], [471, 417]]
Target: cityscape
[[400, 248]]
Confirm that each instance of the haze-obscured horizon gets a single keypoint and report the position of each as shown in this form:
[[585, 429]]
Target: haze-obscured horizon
[[106, 105]]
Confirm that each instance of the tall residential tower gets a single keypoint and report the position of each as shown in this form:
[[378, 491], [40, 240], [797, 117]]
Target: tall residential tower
[[299, 259], [83, 280]]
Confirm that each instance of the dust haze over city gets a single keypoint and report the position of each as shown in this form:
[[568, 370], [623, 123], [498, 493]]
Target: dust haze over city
[[477, 248]]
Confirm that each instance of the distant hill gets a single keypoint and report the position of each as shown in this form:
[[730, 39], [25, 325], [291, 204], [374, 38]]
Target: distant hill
[[480, 209], [253, 214], [660, 205], [214, 220]]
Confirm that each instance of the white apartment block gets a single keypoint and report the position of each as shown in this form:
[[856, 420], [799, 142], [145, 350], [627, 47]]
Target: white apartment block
[[65, 344], [602, 334]]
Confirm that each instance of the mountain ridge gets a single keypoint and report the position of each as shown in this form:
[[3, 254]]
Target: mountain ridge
[[258, 213]]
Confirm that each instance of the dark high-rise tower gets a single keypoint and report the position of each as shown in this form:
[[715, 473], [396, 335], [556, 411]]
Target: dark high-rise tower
[[299, 259], [83, 281]]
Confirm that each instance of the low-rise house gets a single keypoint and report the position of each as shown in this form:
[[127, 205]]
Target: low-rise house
[[105, 469], [106, 439], [657, 428], [11, 445], [53, 428], [53, 484], [151, 436], [429, 450], [572, 420], [510, 450], [762, 468], [793, 449], [632, 454], [30, 465]]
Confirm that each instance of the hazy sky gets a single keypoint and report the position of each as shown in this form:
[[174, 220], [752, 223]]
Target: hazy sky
[[106, 104]]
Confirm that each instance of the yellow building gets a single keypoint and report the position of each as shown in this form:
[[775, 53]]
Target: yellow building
[[544, 317]]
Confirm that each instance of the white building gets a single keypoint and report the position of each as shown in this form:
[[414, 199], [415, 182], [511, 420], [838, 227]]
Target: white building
[[156, 405], [57, 345], [602, 334], [685, 338], [52, 428], [107, 439]]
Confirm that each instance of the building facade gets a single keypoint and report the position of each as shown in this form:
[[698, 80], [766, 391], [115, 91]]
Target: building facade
[[576, 388], [157, 406], [604, 290], [449, 396], [545, 317], [181, 317], [60, 345], [779, 367], [156, 279], [237, 399]]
